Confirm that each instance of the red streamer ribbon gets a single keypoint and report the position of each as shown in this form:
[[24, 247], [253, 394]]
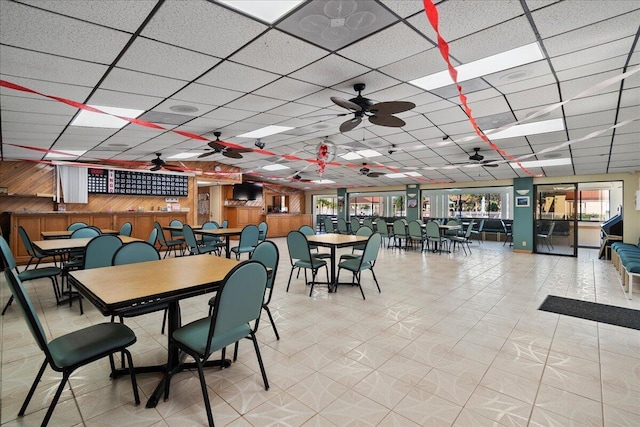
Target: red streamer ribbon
[[443, 46]]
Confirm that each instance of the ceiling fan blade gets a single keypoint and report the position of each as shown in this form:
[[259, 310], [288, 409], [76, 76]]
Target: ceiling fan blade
[[207, 154], [391, 107], [350, 124], [155, 168], [215, 145], [240, 150], [389, 121], [489, 164], [232, 154], [375, 174], [346, 104]]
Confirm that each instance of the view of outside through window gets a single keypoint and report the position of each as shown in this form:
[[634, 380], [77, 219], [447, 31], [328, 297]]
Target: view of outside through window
[[481, 203], [364, 205]]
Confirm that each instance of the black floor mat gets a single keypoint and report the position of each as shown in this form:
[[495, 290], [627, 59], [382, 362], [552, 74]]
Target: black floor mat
[[619, 316]]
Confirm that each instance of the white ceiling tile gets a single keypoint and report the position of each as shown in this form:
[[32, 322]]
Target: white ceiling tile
[[287, 89], [202, 26], [229, 114], [79, 40], [278, 52], [527, 84], [387, 46], [110, 98], [569, 15], [35, 118], [165, 60], [330, 70], [43, 106], [140, 83], [74, 93], [603, 32], [604, 119], [255, 103], [595, 53], [206, 94], [42, 66], [127, 16], [603, 102], [230, 75], [404, 8], [534, 97]]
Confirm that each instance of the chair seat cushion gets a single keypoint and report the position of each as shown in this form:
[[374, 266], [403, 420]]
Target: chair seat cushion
[[194, 336], [242, 249], [349, 256], [353, 264], [314, 263], [321, 255], [633, 267], [39, 273], [89, 343]]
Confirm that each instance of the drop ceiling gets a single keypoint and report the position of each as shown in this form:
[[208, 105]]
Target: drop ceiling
[[199, 66]]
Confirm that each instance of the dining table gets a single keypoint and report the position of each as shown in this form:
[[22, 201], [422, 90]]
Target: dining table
[[64, 245], [116, 289], [65, 234], [222, 232], [333, 241]]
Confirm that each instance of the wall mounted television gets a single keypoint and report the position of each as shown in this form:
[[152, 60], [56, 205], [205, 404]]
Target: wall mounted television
[[247, 191]]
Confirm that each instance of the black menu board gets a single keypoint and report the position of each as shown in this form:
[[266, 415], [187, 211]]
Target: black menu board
[[108, 181]]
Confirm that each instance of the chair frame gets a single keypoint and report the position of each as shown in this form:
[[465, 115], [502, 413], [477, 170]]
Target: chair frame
[[41, 339], [169, 244], [367, 261], [243, 236], [309, 259]]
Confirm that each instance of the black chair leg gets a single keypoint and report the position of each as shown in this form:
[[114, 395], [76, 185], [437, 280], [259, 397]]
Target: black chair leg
[[32, 389], [275, 330], [205, 395], [8, 304], [375, 279], [264, 374]]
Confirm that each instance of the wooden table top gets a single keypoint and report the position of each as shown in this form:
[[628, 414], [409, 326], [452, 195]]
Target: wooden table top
[[179, 228], [59, 245], [61, 234], [119, 287], [334, 239], [220, 231]]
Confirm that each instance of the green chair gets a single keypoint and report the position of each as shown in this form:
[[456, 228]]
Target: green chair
[[31, 250], [478, 232], [238, 302], [362, 231], [212, 241], [195, 247], [545, 237], [416, 234], [463, 240], [125, 230], [175, 235], [248, 241], [76, 259], [301, 258], [355, 225], [432, 232], [381, 228], [131, 253], [71, 351], [76, 225], [263, 228], [400, 232], [153, 236], [167, 244], [308, 231], [36, 273], [508, 234], [328, 225], [368, 222], [342, 226], [224, 224], [366, 262]]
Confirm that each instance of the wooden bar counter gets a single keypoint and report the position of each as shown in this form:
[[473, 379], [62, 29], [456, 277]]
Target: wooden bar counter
[[280, 224], [36, 222]]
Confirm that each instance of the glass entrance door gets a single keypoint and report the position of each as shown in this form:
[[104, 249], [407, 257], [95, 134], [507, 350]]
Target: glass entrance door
[[556, 220]]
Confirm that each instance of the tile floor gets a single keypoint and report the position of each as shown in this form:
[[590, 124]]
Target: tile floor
[[451, 340]]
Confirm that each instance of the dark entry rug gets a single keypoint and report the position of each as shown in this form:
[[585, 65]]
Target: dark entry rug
[[619, 316]]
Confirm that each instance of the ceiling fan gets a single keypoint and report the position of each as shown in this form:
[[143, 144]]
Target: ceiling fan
[[364, 170], [380, 113], [227, 149], [157, 163], [478, 159], [298, 177]]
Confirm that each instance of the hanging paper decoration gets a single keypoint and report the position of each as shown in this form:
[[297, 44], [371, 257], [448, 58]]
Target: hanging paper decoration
[[325, 153]]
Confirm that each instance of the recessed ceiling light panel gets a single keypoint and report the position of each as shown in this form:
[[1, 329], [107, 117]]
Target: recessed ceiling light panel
[[275, 167], [542, 163], [188, 155], [65, 154], [265, 131], [98, 120], [267, 11]]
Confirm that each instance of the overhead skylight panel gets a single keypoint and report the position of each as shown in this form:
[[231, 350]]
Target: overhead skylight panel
[[86, 118]]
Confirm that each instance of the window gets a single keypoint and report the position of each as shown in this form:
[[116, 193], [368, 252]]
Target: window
[[494, 202]]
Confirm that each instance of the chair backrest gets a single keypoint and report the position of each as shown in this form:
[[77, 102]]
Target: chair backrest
[[190, 239], [469, 229], [153, 236], [133, 252], [160, 234], [7, 256], [125, 230], [381, 227], [26, 306], [452, 222], [76, 225], [263, 227], [307, 231], [175, 223], [399, 227], [415, 229], [551, 227], [432, 229], [26, 241], [481, 225], [210, 225], [267, 253], [364, 231], [85, 232], [328, 225], [298, 246], [342, 226], [370, 253], [355, 225], [224, 224], [99, 251], [504, 227], [368, 222], [249, 235], [238, 300]]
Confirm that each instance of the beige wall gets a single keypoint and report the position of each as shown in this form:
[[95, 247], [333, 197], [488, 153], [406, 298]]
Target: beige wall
[[631, 184]]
